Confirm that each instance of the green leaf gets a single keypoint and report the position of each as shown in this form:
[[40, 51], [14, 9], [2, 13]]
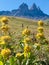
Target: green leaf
[[1, 58], [24, 61], [11, 60]]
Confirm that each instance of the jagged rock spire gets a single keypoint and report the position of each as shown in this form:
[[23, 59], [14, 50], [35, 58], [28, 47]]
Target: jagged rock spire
[[33, 7], [23, 6]]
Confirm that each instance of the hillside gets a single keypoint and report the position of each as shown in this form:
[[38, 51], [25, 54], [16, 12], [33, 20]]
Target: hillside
[[32, 41], [15, 24]]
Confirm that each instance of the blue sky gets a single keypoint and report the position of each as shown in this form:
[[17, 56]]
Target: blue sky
[[14, 4]]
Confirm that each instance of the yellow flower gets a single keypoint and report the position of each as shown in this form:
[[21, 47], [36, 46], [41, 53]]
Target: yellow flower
[[19, 54], [27, 48], [4, 20], [40, 29], [1, 63], [5, 28], [2, 42], [26, 32], [27, 40], [5, 52], [26, 54], [6, 38], [40, 35], [40, 23]]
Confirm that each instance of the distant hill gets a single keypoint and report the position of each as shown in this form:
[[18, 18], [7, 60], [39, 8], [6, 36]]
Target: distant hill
[[23, 11]]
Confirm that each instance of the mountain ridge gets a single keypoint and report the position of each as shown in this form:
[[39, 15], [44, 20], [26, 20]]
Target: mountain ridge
[[23, 11]]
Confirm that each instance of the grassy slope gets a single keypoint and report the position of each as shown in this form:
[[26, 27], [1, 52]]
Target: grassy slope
[[16, 26]]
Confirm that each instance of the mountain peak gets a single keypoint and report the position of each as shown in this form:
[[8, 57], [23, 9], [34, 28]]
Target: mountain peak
[[34, 7], [23, 6]]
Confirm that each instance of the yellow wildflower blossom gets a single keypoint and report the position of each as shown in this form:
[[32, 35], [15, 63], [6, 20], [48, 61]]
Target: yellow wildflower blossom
[[40, 23], [26, 32], [5, 28], [5, 52], [4, 20], [6, 38], [26, 54], [2, 42], [40, 35], [40, 29], [27, 40], [27, 48], [1, 63]]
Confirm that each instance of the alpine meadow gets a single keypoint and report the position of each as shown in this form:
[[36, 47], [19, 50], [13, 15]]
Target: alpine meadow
[[24, 36]]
